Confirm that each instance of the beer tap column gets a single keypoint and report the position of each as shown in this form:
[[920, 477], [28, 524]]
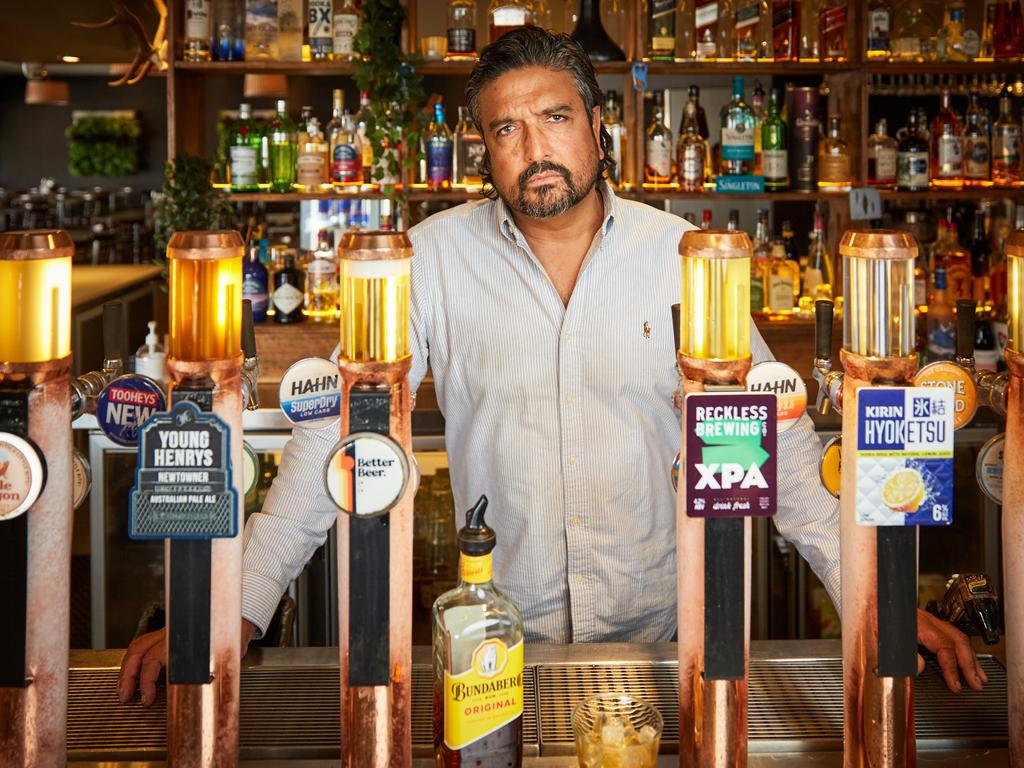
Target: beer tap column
[[878, 564], [368, 476], [1013, 499], [35, 495], [204, 365], [714, 552]]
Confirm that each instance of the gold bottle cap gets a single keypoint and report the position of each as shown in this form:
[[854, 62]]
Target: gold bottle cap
[[375, 246], [206, 244], [1015, 243], [715, 244], [36, 244], [878, 244]]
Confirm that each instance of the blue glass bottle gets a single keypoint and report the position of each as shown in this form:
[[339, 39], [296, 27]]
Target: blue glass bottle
[[254, 284], [439, 146]]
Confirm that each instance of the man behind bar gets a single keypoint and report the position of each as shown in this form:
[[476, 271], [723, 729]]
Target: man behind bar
[[545, 316]]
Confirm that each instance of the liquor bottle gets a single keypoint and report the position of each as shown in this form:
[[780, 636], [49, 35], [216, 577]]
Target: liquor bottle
[[757, 103], [612, 119], [805, 133], [775, 160], [759, 261], [819, 277], [229, 30], [913, 36], [912, 159], [734, 220], [988, 26], [1006, 146], [590, 33], [506, 15], [313, 160], [197, 30], [461, 30], [705, 218], [834, 160], [254, 283], [1008, 31], [949, 45], [986, 356], [832, 30], [878, 30], [290, 19], [737, 120], [940, 323], [691, 152], [955, 259], [981, 253], [282, 142], [288, 292], [661, 30], [469, 151], [705, 133], [365, 145], [781, 281], [320, 30], [786, 30], [977, 149], [244, 169], [705, 29], [478, 646], [793, 256], [321, 294], [345, 149], [658, 165], [260, 29], [439, 153], [882, 157], [345, 26], [747, 29], [947, 163]]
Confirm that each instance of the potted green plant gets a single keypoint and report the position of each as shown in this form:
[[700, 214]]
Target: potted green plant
[[189, 201]]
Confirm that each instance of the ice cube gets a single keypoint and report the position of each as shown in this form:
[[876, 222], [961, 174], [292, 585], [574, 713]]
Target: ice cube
[[613, 732], [647, 734]]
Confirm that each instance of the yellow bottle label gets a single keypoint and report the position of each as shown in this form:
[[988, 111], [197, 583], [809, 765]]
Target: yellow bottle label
[[487, 696], [475, 570]]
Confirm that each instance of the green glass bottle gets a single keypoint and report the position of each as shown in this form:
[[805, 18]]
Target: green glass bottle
[[244, 169], [775, 157], [282, 136]]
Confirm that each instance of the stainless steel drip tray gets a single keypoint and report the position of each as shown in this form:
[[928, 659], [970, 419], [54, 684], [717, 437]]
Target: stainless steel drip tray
[[290, 701]]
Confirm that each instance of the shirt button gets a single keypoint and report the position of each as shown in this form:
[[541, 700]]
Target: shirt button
[[570, 400], [574, 522], [580, 579], [572, 459], [566, 336]]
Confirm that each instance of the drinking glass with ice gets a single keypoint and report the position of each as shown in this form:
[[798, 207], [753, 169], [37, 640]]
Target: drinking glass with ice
[[616, 730]]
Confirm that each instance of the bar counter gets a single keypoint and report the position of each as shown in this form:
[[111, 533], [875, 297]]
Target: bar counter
[[290, 706]]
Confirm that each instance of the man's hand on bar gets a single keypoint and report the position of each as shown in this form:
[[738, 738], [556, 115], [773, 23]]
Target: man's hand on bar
[[147, 656], [952, 650]]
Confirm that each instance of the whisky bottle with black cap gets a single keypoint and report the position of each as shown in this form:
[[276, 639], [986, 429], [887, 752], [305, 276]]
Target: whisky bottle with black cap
[[478, 661]]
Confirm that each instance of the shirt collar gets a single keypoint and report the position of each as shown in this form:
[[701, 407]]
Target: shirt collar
[[507, 225]]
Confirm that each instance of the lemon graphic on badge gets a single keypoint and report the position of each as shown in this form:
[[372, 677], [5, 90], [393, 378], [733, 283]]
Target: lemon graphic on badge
[[903, 491]]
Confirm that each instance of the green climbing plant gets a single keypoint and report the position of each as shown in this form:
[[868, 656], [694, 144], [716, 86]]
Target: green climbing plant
[[189, 201]]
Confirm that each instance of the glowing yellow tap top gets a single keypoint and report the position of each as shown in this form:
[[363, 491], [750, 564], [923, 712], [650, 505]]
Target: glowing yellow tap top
[[206, 295], [35, 296], [714, 317]]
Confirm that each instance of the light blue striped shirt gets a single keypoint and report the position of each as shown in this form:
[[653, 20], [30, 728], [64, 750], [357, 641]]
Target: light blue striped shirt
[[562, 416]]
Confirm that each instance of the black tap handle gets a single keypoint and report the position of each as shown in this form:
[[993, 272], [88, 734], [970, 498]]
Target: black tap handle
[[823, 315], [965, 309], [675, 324], [113, 334], [248, 330]]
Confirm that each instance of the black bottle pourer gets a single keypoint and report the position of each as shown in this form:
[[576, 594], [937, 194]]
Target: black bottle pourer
[[475, 538]]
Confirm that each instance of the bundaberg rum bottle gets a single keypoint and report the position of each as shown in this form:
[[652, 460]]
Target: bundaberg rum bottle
[[478, 662]]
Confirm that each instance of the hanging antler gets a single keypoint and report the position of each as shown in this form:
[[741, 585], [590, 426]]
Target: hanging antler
[[148, 53]]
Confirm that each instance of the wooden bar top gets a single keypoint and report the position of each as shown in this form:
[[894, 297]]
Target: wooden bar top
[[91, 285]]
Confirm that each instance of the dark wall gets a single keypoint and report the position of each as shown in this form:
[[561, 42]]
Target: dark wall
[[32, 143]]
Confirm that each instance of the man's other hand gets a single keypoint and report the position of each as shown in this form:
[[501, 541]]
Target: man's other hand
[[146, 656], [952, 650]]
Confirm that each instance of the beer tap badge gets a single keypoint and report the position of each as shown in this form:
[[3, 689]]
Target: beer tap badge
[[183, 486], [125, 403], [730, 454], [905, 456], [310, 392]]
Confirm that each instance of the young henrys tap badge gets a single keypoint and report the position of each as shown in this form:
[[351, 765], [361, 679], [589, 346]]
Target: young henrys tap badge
[[730, 455], [905, 456]]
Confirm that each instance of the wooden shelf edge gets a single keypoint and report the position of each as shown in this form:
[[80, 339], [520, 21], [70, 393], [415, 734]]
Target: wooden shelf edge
[[748, 67], [943, 67]]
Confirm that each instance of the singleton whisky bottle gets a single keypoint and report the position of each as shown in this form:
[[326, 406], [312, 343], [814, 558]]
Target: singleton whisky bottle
[[737, 120], [288, 292], [197, 30], [658, 158], [612, 118], [832, 30], [469, 151], [439, 151], [878, 30], [661, 30], [244, 152], [1006, 146], [912, 159], [705, 29], [775, 160], [691, 151], [882, 160], [781, 282], [834, 173], [786, 30], [282, 141], [461, 30], [947, 163], [478, 660], [977, 148]]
